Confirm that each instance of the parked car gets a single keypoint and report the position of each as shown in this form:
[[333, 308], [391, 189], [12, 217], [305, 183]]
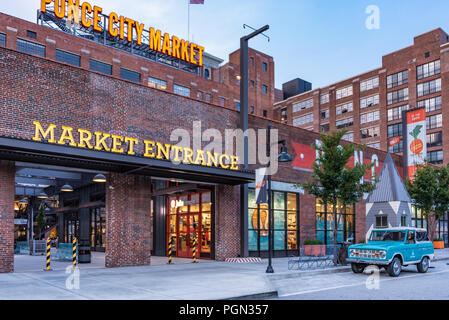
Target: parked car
[[393, 248]]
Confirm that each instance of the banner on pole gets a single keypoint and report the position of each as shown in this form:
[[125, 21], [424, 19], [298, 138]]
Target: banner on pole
[[261, 186], [415, 142]]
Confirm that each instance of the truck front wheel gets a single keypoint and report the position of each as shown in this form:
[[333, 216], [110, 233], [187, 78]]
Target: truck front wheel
[[395, 267], [357, 267]]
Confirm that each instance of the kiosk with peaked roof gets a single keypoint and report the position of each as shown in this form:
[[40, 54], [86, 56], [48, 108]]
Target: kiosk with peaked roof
[[389, 204]]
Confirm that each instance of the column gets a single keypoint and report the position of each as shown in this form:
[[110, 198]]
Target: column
[[7, 191], [128, 231]]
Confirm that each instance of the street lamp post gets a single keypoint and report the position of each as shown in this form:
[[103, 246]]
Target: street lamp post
[[283, 157]]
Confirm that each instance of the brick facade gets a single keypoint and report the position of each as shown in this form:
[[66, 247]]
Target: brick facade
[[7, 190], [128, 229]]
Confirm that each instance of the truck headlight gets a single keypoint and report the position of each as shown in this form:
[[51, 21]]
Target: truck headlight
[[382, 254], [352, 252]]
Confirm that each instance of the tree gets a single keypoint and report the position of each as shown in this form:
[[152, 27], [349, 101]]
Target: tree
[[333, 181], [40, 218], [430, 192]]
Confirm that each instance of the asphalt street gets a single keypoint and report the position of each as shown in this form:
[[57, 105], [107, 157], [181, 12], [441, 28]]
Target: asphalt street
[[341, 286]]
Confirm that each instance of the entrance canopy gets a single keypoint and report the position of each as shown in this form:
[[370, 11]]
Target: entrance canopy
[[61, 155]]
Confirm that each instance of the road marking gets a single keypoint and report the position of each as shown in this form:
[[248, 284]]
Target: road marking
[[358, 284]]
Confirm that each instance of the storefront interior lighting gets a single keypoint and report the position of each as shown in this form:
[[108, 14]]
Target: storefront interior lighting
[[99, 178], [66, 188], [42, 195], [23, 201]]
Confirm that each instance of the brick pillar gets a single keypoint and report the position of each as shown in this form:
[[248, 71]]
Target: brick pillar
[[227, 222], [128, 230], [307, 218], [7, 191], [360, 221]]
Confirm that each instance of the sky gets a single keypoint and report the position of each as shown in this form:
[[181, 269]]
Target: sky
[[321, 41]]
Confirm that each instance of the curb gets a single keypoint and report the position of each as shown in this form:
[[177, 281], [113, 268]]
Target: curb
[[281, 276], [256, 296], [440, 259]]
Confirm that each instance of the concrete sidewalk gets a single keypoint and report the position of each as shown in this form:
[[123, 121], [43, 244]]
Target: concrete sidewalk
[[181, 280]]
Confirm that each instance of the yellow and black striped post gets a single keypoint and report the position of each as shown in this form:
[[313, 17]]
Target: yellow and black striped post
[[170, 250], [47, 267], [74, 252], [195, 244]]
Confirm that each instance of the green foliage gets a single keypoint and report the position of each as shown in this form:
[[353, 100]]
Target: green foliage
[[332, 179], [437, 239], [313, 242], [362, 241]]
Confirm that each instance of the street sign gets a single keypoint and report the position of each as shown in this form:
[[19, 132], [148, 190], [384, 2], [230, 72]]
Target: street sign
[[20, 221]]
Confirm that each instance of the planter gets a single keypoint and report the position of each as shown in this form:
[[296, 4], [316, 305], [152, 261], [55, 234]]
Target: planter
[[315, 250], [438, 244]]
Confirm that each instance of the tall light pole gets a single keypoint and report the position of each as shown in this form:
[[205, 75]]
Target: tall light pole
[[283, 157], [244, 126]]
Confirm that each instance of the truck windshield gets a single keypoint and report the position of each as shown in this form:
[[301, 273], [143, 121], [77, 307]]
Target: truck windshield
[[387, 236]]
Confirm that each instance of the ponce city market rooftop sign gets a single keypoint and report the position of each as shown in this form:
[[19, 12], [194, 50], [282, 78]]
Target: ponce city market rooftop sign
[[118, 26]]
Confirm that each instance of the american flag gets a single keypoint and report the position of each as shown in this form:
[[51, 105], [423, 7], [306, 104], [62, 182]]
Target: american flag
[[196, 1]]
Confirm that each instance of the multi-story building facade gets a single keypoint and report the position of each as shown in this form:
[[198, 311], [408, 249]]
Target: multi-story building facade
[[369, 106]]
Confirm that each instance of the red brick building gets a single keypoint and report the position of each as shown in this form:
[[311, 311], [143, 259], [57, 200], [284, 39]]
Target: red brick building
[[62, 125], [369, 105]]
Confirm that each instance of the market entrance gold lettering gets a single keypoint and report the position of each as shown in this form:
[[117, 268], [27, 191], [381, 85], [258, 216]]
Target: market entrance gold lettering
[[116, 26], [102, 141]]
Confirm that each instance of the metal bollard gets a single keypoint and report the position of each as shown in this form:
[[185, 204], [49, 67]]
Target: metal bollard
[[170, 250], [48, 255], [195, 244], [74, 251]]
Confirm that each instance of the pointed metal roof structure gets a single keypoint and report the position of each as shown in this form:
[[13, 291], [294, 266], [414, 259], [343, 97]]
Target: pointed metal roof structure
[[390, 186]]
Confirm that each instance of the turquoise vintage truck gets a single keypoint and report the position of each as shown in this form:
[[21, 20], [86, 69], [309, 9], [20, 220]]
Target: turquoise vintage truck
[[393, 248]]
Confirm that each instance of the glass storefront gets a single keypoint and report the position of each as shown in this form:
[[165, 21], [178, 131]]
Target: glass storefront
[[189, 218], [325, 222], [286, 223], [71, 226], [419, 220], [98, 228]]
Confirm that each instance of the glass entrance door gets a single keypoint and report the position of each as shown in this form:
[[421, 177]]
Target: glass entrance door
[[193, 234], [183, 241]]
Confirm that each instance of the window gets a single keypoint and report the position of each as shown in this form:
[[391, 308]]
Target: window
[[237, 105], [299, 121], [348, 136], [435, 157], [394, 130], [324, 128], [434, 139], [265, 89], [100, 67], [324, 222], [208, 97], [344, 108], [345, 123], [206, 73], [431, 104], [403, 221], [199, 95], [419, 219], [324, 114], [435, 121], [69, 58], [369, 101], [324, 98], [369, 133], [284, 115], [429, 87], [2, 40], [251, 83], [397, 79], [265, 67], [286, 222], [369, 84], [381, 222], [265, 113], [251, 61], [157, 83], [396, 113], [251, 109], [181, 90], [375, 145], [428, 70], [30, 47], [344, 92], [397, 96], [222, 101], [129, 75], [397, 148], [31, 34], [302, 105], [369, 117]]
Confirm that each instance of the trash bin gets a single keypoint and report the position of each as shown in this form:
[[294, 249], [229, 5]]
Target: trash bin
[[84, 252]]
